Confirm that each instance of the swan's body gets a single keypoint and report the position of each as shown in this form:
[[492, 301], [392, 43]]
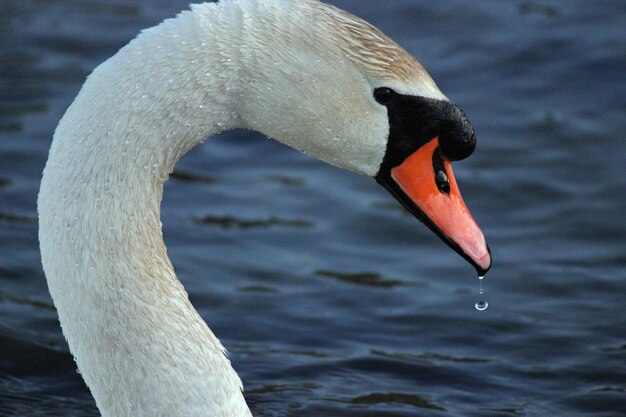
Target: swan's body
[[298, 71]]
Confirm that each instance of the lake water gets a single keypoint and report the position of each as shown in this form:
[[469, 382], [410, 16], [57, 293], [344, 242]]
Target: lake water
[[330, 298]]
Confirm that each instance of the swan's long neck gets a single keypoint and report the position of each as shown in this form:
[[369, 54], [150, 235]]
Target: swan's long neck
[[140, 345], [298, 71]]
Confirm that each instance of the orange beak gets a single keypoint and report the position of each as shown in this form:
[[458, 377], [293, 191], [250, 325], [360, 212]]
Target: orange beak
[[424, 183]]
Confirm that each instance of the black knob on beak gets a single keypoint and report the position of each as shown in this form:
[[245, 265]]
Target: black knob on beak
[[456, 138]]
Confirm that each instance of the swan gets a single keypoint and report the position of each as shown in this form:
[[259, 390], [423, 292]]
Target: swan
[[302, 72]]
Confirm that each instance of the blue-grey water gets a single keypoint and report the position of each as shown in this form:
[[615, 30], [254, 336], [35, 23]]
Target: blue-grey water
[[330, 298]]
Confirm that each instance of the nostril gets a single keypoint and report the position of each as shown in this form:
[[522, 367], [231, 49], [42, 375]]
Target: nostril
[[443, 184], [439, 168]]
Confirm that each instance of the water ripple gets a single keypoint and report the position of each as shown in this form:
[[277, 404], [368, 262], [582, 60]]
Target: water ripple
[[231, 222], [395, 398], [369, 279]]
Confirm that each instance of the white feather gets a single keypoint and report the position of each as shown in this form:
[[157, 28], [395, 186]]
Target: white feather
[[277, 66]]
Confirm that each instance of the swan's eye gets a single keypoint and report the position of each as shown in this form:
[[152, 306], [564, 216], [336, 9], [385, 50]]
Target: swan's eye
[[383, 95]]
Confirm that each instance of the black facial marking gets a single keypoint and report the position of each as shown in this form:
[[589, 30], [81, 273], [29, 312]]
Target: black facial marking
[[415, 121]]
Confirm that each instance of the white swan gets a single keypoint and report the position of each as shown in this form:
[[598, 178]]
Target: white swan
[[302, 72]]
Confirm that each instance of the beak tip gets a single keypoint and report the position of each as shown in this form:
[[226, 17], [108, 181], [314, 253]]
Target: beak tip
[[483, 264]]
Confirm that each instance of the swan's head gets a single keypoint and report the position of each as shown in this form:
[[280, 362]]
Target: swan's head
[[338, 89]]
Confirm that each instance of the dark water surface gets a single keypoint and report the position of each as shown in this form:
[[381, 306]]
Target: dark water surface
[[332, 300]]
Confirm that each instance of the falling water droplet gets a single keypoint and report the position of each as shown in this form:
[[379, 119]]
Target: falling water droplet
[[482, 304]]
